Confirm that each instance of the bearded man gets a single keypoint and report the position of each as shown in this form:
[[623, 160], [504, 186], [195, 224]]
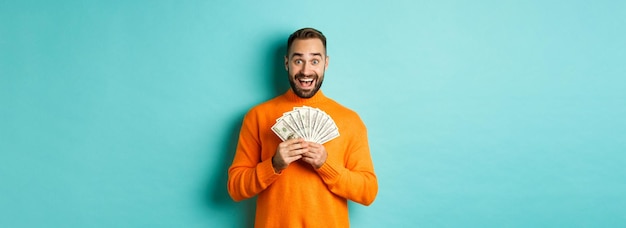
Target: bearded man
[[299, 183]]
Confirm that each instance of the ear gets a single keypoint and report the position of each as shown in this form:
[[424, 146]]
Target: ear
[[326, 64], [286, 63]]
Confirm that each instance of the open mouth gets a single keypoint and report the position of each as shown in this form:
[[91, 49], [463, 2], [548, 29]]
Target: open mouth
[[306, 83]]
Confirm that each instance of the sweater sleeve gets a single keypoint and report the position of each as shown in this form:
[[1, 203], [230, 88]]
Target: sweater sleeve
[[248, 175], [354, 178]]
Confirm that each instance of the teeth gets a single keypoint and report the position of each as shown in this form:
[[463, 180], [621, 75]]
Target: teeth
[[307, 80]]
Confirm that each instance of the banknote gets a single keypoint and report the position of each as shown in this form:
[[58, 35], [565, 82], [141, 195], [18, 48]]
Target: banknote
[[311, 124]]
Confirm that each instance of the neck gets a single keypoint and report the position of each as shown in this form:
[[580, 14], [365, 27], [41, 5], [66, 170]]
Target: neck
[[317, 98]]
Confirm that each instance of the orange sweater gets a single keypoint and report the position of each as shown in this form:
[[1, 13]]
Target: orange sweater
[[301, 196]]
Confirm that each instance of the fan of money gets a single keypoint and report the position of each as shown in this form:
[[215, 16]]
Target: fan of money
[[312, 124]]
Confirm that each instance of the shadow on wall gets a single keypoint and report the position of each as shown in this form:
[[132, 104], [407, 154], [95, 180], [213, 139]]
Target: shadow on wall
[[218, 197], [279, 73], [218, 193]]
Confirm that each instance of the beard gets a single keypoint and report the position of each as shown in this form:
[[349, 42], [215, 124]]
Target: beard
[[308, 93]]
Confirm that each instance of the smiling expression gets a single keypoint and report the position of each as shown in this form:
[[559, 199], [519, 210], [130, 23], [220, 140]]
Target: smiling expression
[[306, 64]]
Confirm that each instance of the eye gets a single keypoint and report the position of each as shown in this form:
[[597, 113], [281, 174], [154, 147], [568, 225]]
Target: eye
[[315, 62], [298, 61]]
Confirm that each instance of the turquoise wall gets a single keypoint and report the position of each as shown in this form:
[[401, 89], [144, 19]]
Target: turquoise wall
[[480, 113]]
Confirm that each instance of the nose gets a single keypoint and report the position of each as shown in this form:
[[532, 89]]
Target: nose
[[306, 68]]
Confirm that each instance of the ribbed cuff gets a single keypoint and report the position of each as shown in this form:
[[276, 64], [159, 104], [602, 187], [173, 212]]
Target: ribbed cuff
[[330, 171], [265, 173]]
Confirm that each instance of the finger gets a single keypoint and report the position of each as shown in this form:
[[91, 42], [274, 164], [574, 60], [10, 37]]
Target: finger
[[315, 145], [287, 143], [292, 141], [284, 145], [293, 158], [296, 146], [310, 154], [317, 148], [297, 152]]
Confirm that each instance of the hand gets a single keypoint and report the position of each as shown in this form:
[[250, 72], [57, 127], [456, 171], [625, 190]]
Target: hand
[[288, 152], [316, 155]]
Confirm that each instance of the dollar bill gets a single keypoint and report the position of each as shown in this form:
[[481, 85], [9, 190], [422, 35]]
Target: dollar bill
[[312, 124]]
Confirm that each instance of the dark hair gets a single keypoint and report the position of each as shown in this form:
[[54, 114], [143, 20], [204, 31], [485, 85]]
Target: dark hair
[[306, 33]]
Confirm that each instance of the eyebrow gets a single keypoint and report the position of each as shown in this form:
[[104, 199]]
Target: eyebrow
[[300, 54]]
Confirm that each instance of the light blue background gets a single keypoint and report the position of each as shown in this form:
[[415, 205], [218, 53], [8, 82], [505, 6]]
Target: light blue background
[[480, 113]]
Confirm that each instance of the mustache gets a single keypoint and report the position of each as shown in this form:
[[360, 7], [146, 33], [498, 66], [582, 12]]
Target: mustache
[[303, 76]]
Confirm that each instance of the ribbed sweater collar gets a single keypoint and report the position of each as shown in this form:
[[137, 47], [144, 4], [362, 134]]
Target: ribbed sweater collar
[[319, 97]]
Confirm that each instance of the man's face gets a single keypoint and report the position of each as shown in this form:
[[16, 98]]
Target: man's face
[[306, 63]]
